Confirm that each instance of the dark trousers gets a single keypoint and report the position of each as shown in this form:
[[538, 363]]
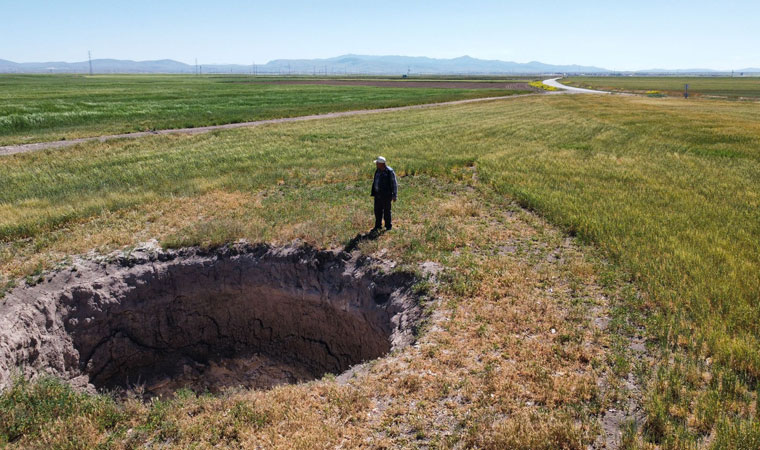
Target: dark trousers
[[382, 211]]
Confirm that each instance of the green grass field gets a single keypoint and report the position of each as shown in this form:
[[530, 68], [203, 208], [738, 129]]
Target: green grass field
[[35, 108], [745, 88], [668, 190]]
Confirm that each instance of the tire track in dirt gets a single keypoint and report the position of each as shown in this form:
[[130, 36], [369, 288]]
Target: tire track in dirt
[[37, 146], [406, 84]]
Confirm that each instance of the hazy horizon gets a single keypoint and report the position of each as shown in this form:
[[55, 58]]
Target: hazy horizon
[[752, 69], [641, 36]]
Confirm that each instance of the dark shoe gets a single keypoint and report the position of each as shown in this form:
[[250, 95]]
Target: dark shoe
[[388, 228]]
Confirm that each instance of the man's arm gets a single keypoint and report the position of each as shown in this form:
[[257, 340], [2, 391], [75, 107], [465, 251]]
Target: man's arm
[[394, 184]]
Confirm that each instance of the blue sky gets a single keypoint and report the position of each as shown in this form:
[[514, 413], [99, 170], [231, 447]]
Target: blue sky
[[617, 35]]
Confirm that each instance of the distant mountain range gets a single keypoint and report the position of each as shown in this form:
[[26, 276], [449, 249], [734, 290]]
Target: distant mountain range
[[346, 64]]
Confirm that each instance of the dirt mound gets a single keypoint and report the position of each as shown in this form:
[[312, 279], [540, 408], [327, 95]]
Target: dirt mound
[[249, 315]]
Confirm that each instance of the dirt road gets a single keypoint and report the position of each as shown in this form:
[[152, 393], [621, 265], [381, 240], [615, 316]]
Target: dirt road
[[26, 148], [571, 90], [410, 84]]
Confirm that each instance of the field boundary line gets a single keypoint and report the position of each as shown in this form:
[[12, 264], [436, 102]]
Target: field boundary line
[[37, 146]]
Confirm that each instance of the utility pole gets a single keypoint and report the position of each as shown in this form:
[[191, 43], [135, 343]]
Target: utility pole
[[196, 66], [89, 58]]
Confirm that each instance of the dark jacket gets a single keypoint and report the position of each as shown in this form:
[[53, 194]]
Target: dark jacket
[[384, 184]]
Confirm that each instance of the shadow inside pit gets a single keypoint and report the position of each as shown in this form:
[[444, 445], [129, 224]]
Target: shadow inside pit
[[371, 235], [251, 316]]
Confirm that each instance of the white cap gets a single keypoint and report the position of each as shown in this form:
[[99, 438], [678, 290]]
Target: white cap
[[380, 159]]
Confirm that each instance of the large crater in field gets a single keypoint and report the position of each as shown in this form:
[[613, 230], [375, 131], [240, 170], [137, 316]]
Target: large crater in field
[[244, 315]]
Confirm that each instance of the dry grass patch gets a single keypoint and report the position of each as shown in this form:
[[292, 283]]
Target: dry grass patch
[[509, 355]]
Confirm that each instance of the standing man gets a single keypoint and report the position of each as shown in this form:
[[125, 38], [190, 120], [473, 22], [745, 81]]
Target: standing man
[[385, 190]]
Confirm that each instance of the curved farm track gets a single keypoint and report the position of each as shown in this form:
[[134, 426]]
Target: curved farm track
[[37, 146], [409, 84]]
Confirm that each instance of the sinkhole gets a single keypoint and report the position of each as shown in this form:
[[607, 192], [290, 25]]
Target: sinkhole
[[243, 315]]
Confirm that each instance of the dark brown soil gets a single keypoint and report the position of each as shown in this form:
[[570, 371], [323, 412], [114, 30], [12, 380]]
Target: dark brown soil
[[251, 316]]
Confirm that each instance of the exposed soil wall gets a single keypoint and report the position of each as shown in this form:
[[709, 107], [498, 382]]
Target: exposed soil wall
[[245, 315]]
